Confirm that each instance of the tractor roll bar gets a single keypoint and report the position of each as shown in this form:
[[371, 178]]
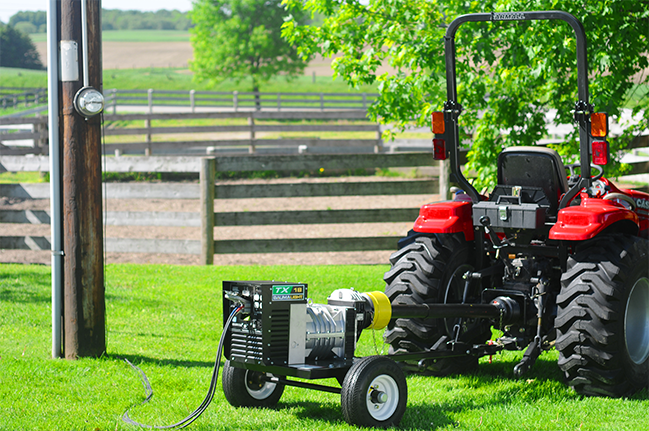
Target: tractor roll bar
[[583, 109]]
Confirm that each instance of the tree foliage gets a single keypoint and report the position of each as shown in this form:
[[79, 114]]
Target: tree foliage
[[36, 21], [510, 74], [17, 49], [242, 38], [114, 19], [111, 19]]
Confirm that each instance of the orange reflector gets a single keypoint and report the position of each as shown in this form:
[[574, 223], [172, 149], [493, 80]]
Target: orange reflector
[[439, 149], [438, 123], [600, 152], [598, 124]]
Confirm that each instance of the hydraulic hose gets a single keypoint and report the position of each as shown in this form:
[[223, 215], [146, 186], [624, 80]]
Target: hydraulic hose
[[210, 392]]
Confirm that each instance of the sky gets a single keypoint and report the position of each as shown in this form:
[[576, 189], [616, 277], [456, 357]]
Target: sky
[[9, 8]]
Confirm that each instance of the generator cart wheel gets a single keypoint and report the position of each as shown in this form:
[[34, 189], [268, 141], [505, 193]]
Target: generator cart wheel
[[429, 270], [374, 393], [603, 317], [245, 388]]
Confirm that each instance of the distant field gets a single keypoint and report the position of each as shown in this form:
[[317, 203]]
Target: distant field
[[181, 79], [133, 36]]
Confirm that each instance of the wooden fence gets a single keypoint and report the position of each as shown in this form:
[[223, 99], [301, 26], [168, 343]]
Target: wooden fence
[[237, 100], [209, 194], [38, 135], [286, 122], [13, 97]]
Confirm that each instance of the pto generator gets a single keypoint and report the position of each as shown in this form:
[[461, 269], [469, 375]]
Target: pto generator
[[277, 335]]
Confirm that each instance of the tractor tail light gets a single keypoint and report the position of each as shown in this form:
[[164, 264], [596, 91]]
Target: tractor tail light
[[598, 125], [438, 123], [600, 152], [439, 149]]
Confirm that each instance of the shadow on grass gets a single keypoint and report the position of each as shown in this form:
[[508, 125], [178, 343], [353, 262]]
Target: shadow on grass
[[140, 360], [332, 414], [545, 368]]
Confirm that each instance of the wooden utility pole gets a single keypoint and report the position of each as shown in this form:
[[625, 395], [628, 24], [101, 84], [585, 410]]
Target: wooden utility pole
[[84, 327]]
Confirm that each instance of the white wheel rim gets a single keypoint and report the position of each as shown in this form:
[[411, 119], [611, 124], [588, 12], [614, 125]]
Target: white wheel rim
[[261, 393], [382, 411], [636, 322]]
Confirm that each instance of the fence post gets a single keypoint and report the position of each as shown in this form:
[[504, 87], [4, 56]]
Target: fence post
[[147, 124], [150, 96], [445, 179], [378, 148], [251, 123], [35, 141], [192, 99], [41, 128], [235, 100], [207, 180], [114, 101]]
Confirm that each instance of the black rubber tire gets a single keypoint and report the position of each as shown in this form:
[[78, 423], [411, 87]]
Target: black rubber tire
[[607, 279], [364, 380], [421, 273], [243, 388]]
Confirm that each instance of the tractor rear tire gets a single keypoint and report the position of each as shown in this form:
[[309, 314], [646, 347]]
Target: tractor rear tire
[[429, 270], [603, 317]]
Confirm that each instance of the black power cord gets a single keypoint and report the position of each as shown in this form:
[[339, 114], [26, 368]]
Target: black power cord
[[210, 392]]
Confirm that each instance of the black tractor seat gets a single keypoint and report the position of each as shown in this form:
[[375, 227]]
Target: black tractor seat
[[531, 181]]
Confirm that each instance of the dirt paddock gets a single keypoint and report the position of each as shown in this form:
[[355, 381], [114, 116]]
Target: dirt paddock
[[235, 232]]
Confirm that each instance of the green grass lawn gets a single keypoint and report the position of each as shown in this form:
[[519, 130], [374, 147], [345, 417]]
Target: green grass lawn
[[22, 78], [182, 79], [167, 320], [21, 177], [132, 36]]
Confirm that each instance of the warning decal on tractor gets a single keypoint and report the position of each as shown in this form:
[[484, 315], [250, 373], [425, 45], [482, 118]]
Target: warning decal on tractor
[[288, 292]]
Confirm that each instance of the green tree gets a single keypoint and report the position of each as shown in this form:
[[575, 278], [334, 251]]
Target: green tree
[[114, 19], [238, 39], [513, 74], [17, 49], [26, 27], [37, 19]]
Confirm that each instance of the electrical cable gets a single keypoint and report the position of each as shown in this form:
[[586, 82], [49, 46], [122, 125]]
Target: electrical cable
[[105, 196], [210, 392]]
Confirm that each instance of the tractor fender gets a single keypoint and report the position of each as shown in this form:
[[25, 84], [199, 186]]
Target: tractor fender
[[446, 217], [590, 218]]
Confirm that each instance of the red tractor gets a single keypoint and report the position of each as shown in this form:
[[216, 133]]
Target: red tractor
[[549, 260], [565, 257]]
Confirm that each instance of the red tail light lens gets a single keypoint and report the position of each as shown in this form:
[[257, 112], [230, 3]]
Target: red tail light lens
[[600, 152], [439, 149]]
